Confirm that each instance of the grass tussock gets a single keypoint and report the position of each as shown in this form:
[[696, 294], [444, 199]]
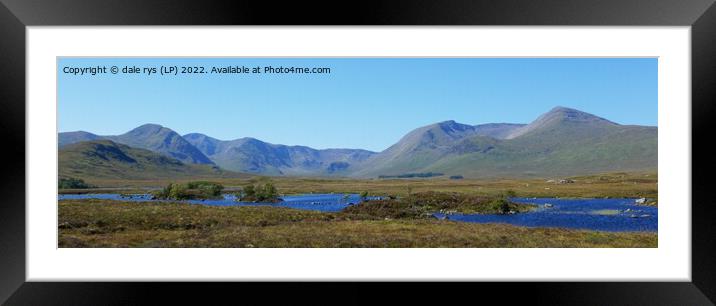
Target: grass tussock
[[103, 223]]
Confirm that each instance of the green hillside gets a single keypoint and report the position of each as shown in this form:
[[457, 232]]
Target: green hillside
[[105, 159], [162, 140], [153, 137], [561, 142]]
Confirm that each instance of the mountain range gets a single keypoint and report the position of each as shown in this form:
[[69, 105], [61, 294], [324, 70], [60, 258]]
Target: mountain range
[[255, 156], [563, 141], [152, 137], [106, 159]]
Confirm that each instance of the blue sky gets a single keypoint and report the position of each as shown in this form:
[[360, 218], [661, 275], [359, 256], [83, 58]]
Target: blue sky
[[367, 103]]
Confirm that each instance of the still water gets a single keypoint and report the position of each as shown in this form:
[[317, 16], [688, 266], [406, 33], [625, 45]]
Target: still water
[[593, 214], [321, 202]]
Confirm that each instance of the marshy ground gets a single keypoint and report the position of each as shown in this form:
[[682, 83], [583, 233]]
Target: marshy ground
[[100, 223], [632, 185], [109, 223]]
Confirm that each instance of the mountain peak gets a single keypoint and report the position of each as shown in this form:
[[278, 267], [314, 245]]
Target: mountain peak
[[163, 140], [104, 158], [451, 127], [150, 125], [67, 138], [149, 128], [561, 108], [571, 114], [251, 140], [198, 136], [561, 115]]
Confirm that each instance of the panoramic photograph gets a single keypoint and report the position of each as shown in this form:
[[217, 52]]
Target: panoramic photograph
[[365, 152]]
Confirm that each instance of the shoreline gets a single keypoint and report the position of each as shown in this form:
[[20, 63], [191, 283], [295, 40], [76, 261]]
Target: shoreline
[[104, 223]]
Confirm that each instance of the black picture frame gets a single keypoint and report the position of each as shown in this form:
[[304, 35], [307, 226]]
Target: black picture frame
[[16, 15]]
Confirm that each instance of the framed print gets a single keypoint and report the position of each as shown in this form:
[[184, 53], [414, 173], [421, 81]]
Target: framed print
[[453, 142]]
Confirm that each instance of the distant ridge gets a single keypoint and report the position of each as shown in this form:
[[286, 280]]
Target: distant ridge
[[163, 140], [105, 159], [255, 156], [562, 141], [497, 130], [73, 137], [152, 137]]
